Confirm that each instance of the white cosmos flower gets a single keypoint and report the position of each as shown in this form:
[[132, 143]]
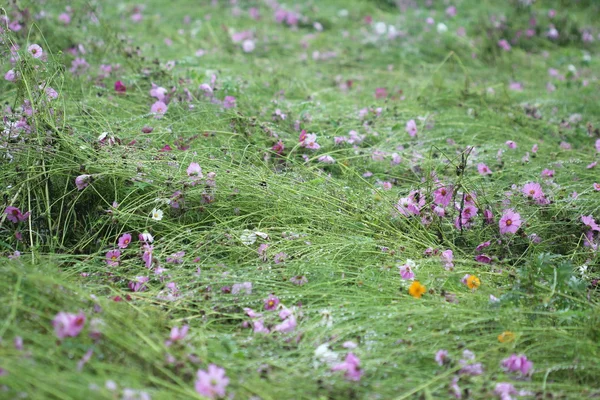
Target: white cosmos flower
[[157, 214]]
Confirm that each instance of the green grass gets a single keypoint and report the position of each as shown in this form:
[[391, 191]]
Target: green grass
[[338, 228]]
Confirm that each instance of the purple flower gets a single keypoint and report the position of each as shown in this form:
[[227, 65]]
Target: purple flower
[[441, 357], [82, 181], [229, 102], [124, 241], [66, 324], [299, 280], [14, 215], [288, 325], [517, 363], [406, 270], [138, 284], [35, 51], [411, 128], [177, 334], [351, 366], [212, 382], [113, 257], [245, 287], [271, 302], [159, 109], [447, 257]]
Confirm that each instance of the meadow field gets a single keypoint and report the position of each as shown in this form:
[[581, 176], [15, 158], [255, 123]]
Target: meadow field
[[316, 199]]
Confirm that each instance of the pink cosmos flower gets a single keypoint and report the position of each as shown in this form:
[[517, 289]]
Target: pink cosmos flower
[[596, 186], [533, 190], [124, 241], [411, 128], [82, 181], [510, 222], [288, 325], [505, 391], [326, 159], [381, 93], [598, 145], [14, 215], [591, 222], [212, 382], [406, 270], [441, 357], [271, 303], [229, 102], [177, 334], [66, 324], [194, 171], [159, 109], [138, 284], [258, 326], [483, 169], [310, 141], [176, 258], [113, 257], [146, 237], [511, 145], [280, 257], [443, 195], [504, 45], [11, 75], [299, 280], [351, 366], [447, 257], [592, 165], [64, 18], [35, 51], [158, 92], [245, 287], [548, 173], [517, 363], [455, 389], [278, 147]]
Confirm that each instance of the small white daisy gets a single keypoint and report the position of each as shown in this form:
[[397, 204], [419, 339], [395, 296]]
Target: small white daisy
[[157, 215]]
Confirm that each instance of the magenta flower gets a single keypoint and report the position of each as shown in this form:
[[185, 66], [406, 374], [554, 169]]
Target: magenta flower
[[351, 366], [212, 382], [510, 222], [82, 181], [271, 302], [517, 363], [120, 87], [510, 144], [159, 109], [124, 241], [483, 169], [35, 51], [411, 128], [113, 257], [14, 215], [66, 324]]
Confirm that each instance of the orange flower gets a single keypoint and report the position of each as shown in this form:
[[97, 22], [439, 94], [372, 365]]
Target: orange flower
[[506, 337], [416, 290], [473, 282]]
